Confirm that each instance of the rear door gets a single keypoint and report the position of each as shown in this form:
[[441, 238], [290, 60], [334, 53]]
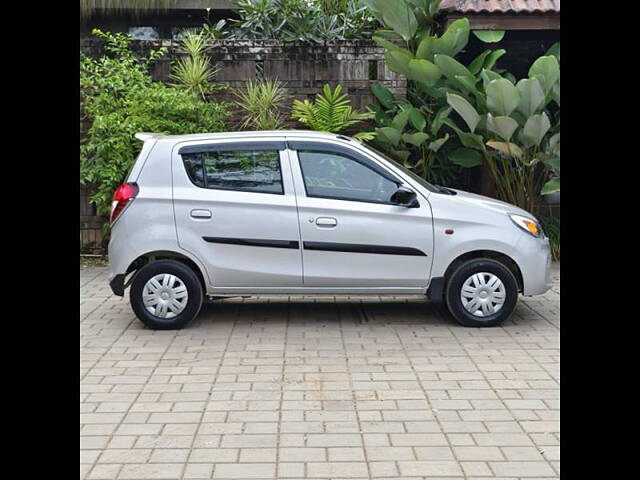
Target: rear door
[[235, 209], [352, 235]]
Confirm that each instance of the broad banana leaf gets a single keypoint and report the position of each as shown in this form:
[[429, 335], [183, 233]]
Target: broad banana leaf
[[491, 60], [476, 65], [398, 60], [535, 129], [465, 110], [466, 157], [507, 148], [489, 36], [454, 39], [531, 96], [437, 144], [502, 97], [548, 68], [425, 48], [502, 126], [415, 139], [417, 119], [551, 186], [423, 71], [400, 120], [384, 95], [389, 135]]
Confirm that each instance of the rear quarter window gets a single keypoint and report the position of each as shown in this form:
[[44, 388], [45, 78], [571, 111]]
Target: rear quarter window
[[240, 170]]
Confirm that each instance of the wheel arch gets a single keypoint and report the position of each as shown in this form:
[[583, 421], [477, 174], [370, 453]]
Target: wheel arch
[[156, 255], [438, 285], [500, 257]]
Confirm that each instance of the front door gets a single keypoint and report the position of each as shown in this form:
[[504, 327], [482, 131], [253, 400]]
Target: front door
[[235, 210], [352, 235]]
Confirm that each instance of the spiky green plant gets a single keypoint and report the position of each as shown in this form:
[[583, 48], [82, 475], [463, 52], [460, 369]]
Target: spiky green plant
[[88, 7], [262, 101], [330, 112], [194, 71]]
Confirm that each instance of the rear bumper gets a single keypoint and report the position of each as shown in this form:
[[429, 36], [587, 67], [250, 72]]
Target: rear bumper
[[117, 285]]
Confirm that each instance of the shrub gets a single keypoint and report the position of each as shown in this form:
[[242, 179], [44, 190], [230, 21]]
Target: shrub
[[301, 21], [194, 71], [120, 98], [507, 125], [262, 101], [330, 112]]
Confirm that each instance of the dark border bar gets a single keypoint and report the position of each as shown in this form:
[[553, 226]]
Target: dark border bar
[[357, 248], [254, 242]]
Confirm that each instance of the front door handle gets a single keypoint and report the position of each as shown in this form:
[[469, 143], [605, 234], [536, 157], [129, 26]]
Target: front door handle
[[200, 213], [326, 222]]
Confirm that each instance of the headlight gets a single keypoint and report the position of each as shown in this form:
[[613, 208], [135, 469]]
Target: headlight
[[527, 224]]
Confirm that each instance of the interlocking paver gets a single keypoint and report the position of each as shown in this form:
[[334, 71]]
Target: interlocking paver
[[317, 388]]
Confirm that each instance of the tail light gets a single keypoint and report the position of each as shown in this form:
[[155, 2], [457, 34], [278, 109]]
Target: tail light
[[124, 194]]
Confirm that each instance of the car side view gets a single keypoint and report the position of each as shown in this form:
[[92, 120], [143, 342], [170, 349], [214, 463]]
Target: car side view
[[305, 213]]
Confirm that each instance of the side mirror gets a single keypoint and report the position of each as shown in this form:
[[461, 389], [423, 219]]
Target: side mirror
[[405, 198]]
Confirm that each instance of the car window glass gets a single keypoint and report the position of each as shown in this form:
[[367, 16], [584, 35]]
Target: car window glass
[[242, 170], [331, 175]]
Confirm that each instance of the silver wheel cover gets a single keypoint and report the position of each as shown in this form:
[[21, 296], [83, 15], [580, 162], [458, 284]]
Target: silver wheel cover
[[165, 295], [483, 294]]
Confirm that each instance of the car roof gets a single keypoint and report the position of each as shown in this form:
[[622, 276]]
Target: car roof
[[244, 135]]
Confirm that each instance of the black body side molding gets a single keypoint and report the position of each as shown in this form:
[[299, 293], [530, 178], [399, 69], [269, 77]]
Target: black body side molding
[[358, 248], [320, 246], [254, 242]]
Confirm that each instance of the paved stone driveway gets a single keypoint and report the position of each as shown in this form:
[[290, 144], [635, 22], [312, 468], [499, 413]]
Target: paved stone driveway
[[317, 389]]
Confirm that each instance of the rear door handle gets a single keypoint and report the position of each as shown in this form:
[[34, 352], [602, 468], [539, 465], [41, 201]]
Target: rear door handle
[[200, 213], [326, 222]]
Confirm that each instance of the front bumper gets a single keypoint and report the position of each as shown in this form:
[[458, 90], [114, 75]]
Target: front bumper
[[533, 256]]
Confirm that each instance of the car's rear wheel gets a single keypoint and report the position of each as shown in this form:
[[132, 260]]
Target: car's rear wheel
[[166, 295], [481, 293]]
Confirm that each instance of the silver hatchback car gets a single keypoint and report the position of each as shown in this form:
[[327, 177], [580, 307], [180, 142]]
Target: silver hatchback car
[[305, 213]]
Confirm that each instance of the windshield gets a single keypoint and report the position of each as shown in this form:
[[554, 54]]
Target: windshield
[[420, 180]]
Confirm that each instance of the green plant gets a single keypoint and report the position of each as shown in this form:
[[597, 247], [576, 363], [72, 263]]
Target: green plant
[[333, 7], [407, 132], [88, 7], [209, 30], [551, 227], [193, 71], [263, 101], [416, 50], [412, 130], [301, 20], [330, 112], [509, 129], [120, 98]]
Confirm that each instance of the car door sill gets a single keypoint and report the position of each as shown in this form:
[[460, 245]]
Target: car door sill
[[233, 291]]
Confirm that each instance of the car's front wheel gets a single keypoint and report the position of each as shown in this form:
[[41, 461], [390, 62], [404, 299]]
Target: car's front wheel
[[481, 293], [166, 295]]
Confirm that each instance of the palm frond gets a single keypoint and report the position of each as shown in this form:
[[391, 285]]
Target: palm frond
[[330, 112]]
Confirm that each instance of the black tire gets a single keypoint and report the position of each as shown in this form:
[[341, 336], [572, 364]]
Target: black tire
[[461, 274], [186, 275]]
